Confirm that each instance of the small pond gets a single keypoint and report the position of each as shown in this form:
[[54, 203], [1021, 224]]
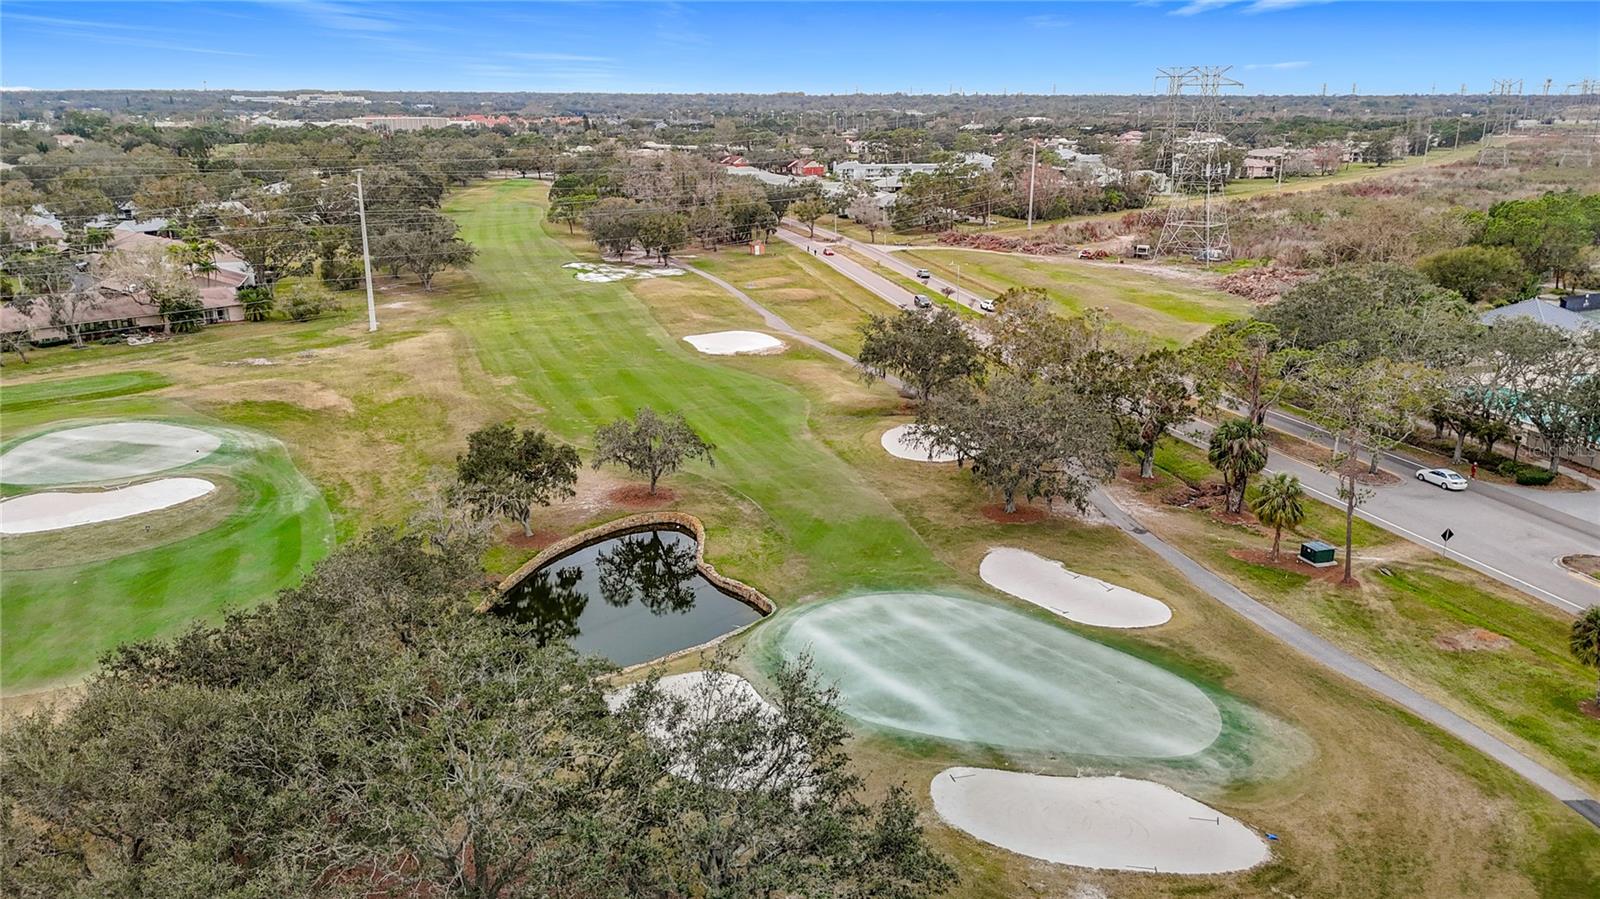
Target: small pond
[[628, 599]]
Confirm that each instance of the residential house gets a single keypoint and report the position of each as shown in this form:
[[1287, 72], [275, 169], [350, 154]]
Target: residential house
[[1544, 312], [806, 168]]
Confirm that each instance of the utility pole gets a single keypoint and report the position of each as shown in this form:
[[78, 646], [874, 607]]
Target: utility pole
[[958, 283], [366, 255], [1033, 171]]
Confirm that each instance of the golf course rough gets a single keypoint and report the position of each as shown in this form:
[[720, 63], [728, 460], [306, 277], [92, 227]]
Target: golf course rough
[[61, 613], [969, 671], [94, 454]]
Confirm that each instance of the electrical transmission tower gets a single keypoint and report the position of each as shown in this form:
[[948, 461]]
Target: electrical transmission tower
[[1586, 106], [1197, 219], [1505, 108]]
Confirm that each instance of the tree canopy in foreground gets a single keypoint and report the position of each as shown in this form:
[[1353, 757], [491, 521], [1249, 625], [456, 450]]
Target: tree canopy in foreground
[[368, 735]]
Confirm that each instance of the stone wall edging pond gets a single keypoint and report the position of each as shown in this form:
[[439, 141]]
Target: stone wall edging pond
[[643, 521]]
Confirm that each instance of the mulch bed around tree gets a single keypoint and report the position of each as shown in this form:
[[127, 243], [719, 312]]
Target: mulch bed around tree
[[539, 540], [1591, 708], [1024, 515], [637, 496], [1474, 639], [1288, 561]]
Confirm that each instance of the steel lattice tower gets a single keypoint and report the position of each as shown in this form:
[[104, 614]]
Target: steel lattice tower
[[1197, 220], [1503, 115]]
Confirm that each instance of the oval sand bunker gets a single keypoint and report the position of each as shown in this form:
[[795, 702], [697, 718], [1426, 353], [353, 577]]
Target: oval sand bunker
[[965, 670], [1078, 597], [897, 440], [1095, 822], [107, 452], [37, 512], [733, 343]]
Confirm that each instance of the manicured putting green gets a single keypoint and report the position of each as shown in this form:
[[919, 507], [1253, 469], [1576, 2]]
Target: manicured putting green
[[969, 671], [104, 452]]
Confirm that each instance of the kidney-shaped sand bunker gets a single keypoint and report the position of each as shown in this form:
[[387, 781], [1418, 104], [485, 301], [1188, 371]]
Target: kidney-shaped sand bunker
[[974, 672]]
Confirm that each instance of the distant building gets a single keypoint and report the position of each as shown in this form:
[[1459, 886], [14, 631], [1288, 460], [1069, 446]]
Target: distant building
[[872, 171], [404, 122], [806, 168], [1544, 312]]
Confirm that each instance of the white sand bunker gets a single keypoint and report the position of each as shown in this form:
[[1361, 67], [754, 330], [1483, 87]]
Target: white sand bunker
[[695, 703], [732, 343], [705, 693], [1095, 822], [1048, 583], [53, 511], [901, 444], [106, 452], [601, 272]]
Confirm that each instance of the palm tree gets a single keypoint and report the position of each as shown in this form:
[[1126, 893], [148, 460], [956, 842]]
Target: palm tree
[[1278, 504], [1586, 641], [1238, 450]]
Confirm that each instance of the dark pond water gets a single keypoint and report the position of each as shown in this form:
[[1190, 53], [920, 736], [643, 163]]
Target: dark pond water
[[628, 599]]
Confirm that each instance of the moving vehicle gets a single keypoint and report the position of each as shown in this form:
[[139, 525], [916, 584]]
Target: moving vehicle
[[827, 251], [921, 301], [924, 274], [986, 305], [1443, 478]]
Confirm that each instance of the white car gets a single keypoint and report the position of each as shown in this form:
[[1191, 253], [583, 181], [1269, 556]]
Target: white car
[[986, 305], [1442, 477]]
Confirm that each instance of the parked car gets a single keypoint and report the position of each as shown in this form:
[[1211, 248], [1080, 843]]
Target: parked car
[[921, 301], [924, 274], [986, 305], [1443, 478], [827, 251]]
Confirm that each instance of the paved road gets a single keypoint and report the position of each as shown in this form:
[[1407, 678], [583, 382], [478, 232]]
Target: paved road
[[1330, 656], [1518, 548], [1297, 637], [1497, 530], [883, 287]]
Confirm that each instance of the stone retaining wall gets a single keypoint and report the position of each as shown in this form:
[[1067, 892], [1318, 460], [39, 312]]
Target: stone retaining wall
[[632, 524]]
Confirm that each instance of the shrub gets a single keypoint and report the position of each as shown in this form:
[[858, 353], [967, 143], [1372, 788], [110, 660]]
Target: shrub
[[305, 303], [1530, 476], [1508, 468]]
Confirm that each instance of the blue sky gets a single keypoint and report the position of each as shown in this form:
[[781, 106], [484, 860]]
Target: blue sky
[[1277, 46]]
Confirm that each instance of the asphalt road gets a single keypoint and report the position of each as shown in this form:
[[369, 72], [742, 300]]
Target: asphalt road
[[869, 279]]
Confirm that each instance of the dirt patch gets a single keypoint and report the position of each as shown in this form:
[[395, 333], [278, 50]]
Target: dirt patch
[[1288, 561], [1583, 563], [305, 394], [1591, 708], [1025, 514], [1472, 640], [638, 496], [537, 540], [1206, 496]]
